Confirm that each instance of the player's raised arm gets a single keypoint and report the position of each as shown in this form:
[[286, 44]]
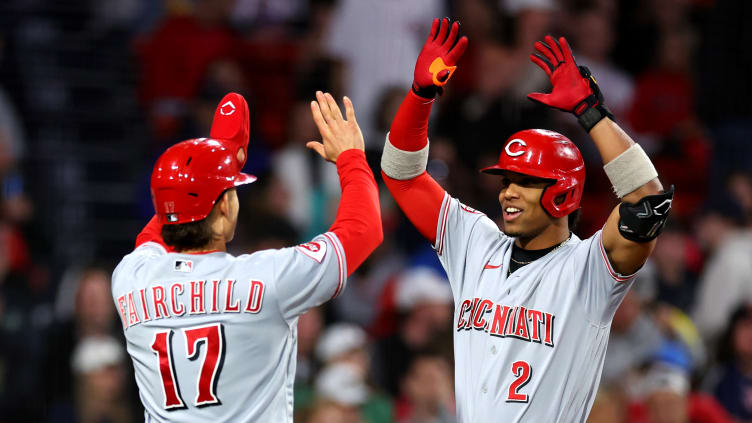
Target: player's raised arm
[[403, 163], [630, 231], [358, 222]]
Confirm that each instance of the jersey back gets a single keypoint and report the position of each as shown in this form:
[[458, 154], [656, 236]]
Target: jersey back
[[529, 346], [213, 337]]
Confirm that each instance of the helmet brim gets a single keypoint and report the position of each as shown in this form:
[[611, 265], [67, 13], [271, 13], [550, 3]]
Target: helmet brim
[[499, 170], [244, 178]]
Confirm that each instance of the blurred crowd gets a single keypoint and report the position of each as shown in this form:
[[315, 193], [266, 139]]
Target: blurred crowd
[[674, 72]]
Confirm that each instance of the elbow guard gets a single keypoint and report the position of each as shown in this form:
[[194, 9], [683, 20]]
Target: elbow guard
[[643, 221]]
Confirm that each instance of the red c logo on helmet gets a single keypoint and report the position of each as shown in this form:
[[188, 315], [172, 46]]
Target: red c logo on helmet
[[518, 152], [227, 109]]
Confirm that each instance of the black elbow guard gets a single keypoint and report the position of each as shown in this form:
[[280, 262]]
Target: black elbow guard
[[644, 220]]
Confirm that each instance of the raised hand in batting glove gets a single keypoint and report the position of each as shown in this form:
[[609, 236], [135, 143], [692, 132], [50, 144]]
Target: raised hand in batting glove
[[438, 58], [574, 88]]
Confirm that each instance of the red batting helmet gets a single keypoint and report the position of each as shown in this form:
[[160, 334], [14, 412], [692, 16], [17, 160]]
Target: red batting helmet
[[548, 155], [189, 177]]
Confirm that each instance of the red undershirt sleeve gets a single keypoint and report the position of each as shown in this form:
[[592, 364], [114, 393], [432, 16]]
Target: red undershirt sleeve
[[419, 197], [358, 222], [152, 232]]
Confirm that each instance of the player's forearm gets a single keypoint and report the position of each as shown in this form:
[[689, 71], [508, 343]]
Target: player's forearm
[[358, 222], [420, 199], [403, 165], [152, 232], [611, 142], [409, 130]]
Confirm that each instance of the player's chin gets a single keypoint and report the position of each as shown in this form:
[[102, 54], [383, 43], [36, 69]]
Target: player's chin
[[512, 230]]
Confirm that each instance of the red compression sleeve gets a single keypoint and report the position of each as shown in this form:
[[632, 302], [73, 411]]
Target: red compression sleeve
[[358, 222], [152, 232], [409, 129], [420, 197]]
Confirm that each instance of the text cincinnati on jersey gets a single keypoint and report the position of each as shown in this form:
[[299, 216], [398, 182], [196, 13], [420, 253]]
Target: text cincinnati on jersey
[[506, 321]]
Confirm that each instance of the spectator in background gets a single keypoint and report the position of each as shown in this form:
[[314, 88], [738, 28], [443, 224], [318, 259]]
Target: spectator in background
[[663, 116], [740, 187], [726, 279], [667, 399], [174, 60], [528, 21], [731, 382], [344, 343], [634, 338], [310, 326], [376, 43], [94, 316], [331, 412], [100, 388], [424, 300], [347, 344], [313, 187], [343, 385], [724, 92], [610, 406], [12, 136], [675, 281], [593, 39], [261, 224], [427, 391], [277, 16]]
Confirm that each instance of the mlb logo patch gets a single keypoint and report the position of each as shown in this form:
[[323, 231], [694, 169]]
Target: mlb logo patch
[[185, 266]]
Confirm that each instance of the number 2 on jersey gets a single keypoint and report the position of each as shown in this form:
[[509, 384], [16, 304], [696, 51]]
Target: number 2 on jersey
[[213, 338], [523, 371]]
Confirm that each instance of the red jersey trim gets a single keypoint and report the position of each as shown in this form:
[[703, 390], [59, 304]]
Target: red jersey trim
[[616, 276], [442, 230], [340, 265], [200, 253]]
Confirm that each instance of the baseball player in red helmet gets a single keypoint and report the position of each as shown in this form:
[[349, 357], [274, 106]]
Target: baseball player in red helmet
[[213, 337], [533, 302]]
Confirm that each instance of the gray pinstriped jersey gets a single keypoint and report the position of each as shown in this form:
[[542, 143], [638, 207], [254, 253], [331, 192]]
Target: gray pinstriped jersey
[[528, 347], [213, 337]]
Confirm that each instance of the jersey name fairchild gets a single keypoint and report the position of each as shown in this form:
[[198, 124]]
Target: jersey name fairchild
[[189, 298], [506, 321]]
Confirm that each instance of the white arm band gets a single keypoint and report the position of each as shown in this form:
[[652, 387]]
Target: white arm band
[[401, 164], [630, 170]]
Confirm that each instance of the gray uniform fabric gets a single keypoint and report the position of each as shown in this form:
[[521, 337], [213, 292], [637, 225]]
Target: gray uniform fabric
[[213, 337], [528, 347]]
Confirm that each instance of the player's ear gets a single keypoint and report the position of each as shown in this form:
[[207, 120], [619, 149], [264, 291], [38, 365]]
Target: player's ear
[[223, 205]]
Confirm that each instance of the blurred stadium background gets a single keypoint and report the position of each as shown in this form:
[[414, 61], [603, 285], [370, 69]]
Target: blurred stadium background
[[92, 91]]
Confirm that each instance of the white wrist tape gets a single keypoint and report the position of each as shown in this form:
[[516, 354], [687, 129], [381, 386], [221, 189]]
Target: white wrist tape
[[401, 164], [630, 170]]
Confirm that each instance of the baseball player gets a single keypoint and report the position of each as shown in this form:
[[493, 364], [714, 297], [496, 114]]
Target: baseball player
[[213, 337], [533, 302]]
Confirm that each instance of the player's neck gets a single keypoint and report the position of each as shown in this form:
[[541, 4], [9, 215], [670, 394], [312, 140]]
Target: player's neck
[[215, 244], [552, 235]]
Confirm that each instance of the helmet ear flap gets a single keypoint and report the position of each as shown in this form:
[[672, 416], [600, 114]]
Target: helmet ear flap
[[562, 198]]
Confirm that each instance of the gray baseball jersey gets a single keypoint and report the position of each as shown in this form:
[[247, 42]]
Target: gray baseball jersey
[[528, 347], [213, 337]]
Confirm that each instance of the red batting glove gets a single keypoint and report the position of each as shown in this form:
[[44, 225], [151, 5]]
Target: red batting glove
[[574, 88], [437, 60]]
